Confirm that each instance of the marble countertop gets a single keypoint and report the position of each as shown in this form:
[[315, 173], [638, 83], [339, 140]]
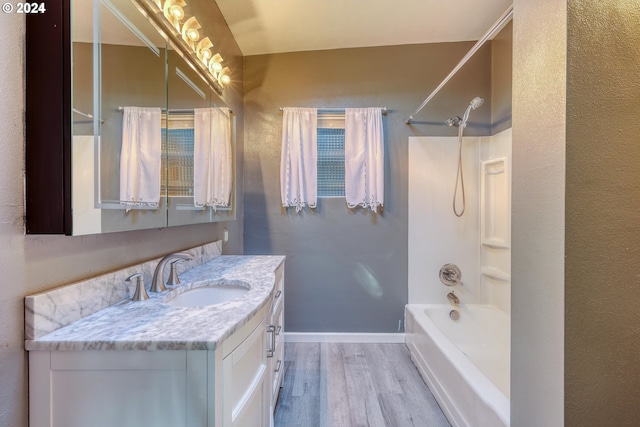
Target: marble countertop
[[154, 325]]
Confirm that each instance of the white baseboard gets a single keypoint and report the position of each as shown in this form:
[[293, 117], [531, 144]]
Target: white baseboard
[[382, 338]]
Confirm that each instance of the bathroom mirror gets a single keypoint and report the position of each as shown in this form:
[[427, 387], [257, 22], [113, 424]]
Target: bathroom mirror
[[123, 66]]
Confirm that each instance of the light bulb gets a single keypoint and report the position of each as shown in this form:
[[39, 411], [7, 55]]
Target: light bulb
[[190, 32], [224, 77], [206, 54], [193, 34], [176, 11], [216, 67]]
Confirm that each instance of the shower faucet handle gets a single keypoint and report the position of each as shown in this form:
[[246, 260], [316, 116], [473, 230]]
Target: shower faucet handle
[[450, 275]]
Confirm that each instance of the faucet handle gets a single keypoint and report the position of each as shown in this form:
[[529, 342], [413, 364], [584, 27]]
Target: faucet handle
[[140, 293], [173, 274]]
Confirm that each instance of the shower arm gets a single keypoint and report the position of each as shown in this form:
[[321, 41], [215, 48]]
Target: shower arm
[[497, 25]]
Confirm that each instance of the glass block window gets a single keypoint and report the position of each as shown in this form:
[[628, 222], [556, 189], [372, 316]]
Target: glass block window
[[177, 172], [330, 162]]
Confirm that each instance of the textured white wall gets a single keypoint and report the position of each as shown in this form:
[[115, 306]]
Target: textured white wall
[[13, 376], [537, 235]]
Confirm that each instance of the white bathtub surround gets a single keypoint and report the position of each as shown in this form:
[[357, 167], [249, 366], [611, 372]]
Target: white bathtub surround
[[495, 249], [464, 362], [47, 311], [154, 325], [436, 236]]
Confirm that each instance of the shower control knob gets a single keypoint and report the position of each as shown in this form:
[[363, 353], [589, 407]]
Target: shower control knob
[[450, 275]]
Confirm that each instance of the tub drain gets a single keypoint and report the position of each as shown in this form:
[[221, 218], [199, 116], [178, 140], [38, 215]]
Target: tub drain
[[454, 315]]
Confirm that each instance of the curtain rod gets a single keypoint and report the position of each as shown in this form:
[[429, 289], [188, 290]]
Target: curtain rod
[[498, 24], [177, 110], [325, 110]]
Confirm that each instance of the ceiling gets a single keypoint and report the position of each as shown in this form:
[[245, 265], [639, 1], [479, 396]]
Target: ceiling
[[275, 26]]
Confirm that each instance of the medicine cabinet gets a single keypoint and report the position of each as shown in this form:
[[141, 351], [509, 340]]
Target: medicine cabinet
[[87, 62]]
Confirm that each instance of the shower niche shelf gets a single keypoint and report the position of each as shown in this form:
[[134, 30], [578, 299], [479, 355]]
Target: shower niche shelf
[[495, 274], [495, 203]]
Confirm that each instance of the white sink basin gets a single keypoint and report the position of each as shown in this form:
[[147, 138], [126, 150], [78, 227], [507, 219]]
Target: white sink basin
[[207, 295]]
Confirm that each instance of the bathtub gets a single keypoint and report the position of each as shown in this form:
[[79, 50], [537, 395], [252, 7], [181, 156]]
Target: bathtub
[[464, 362]]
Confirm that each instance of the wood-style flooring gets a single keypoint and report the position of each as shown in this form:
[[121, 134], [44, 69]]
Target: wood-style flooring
[[354, 385]]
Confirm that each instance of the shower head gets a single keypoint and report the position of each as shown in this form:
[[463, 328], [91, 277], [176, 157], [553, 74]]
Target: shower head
[[476, 102]]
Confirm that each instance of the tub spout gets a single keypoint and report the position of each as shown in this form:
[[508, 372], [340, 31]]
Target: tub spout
[[453, 298]]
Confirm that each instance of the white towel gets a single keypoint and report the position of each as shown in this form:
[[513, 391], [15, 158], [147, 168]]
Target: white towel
[[364, 157], [212, 157], [140, 157], [299, 165]]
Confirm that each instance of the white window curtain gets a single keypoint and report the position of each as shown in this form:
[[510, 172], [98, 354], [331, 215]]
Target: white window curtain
[[364, 158], [212, 157], [140, 157], [298, 165]]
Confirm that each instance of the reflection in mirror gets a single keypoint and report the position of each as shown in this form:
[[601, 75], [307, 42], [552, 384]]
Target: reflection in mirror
[[197, 159], [128, 81], [118, 59]]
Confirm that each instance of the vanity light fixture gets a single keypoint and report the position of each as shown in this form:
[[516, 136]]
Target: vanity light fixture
[[173, 11], [190, 32], [203, 50], [185, 35], [215, 64], [224, 77]]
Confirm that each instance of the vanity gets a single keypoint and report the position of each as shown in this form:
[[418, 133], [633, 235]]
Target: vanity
[[98, 358]]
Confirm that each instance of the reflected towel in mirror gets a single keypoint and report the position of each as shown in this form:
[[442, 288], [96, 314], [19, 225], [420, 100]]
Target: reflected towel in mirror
[[212, 157], [140, 157]]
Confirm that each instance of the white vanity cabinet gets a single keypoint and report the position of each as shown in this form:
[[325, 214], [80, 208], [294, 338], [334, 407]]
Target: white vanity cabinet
[[275, 352], [151, 363], [170, 388]]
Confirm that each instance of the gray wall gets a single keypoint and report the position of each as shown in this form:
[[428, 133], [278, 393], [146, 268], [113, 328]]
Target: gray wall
[[35, 263], [501, 79], [347, 270], [602, 267]]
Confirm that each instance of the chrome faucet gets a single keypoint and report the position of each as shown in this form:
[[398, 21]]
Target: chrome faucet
[[157, 283], [453, 298]]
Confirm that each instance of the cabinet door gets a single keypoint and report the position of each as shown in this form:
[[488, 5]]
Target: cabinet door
[[117, 388], [245, 390]]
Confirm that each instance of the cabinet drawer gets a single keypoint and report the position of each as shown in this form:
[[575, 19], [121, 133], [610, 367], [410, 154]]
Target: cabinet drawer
[[278, 289]]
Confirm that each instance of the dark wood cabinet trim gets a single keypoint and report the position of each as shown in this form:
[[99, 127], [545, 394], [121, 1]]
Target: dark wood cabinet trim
[[48, 120]]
